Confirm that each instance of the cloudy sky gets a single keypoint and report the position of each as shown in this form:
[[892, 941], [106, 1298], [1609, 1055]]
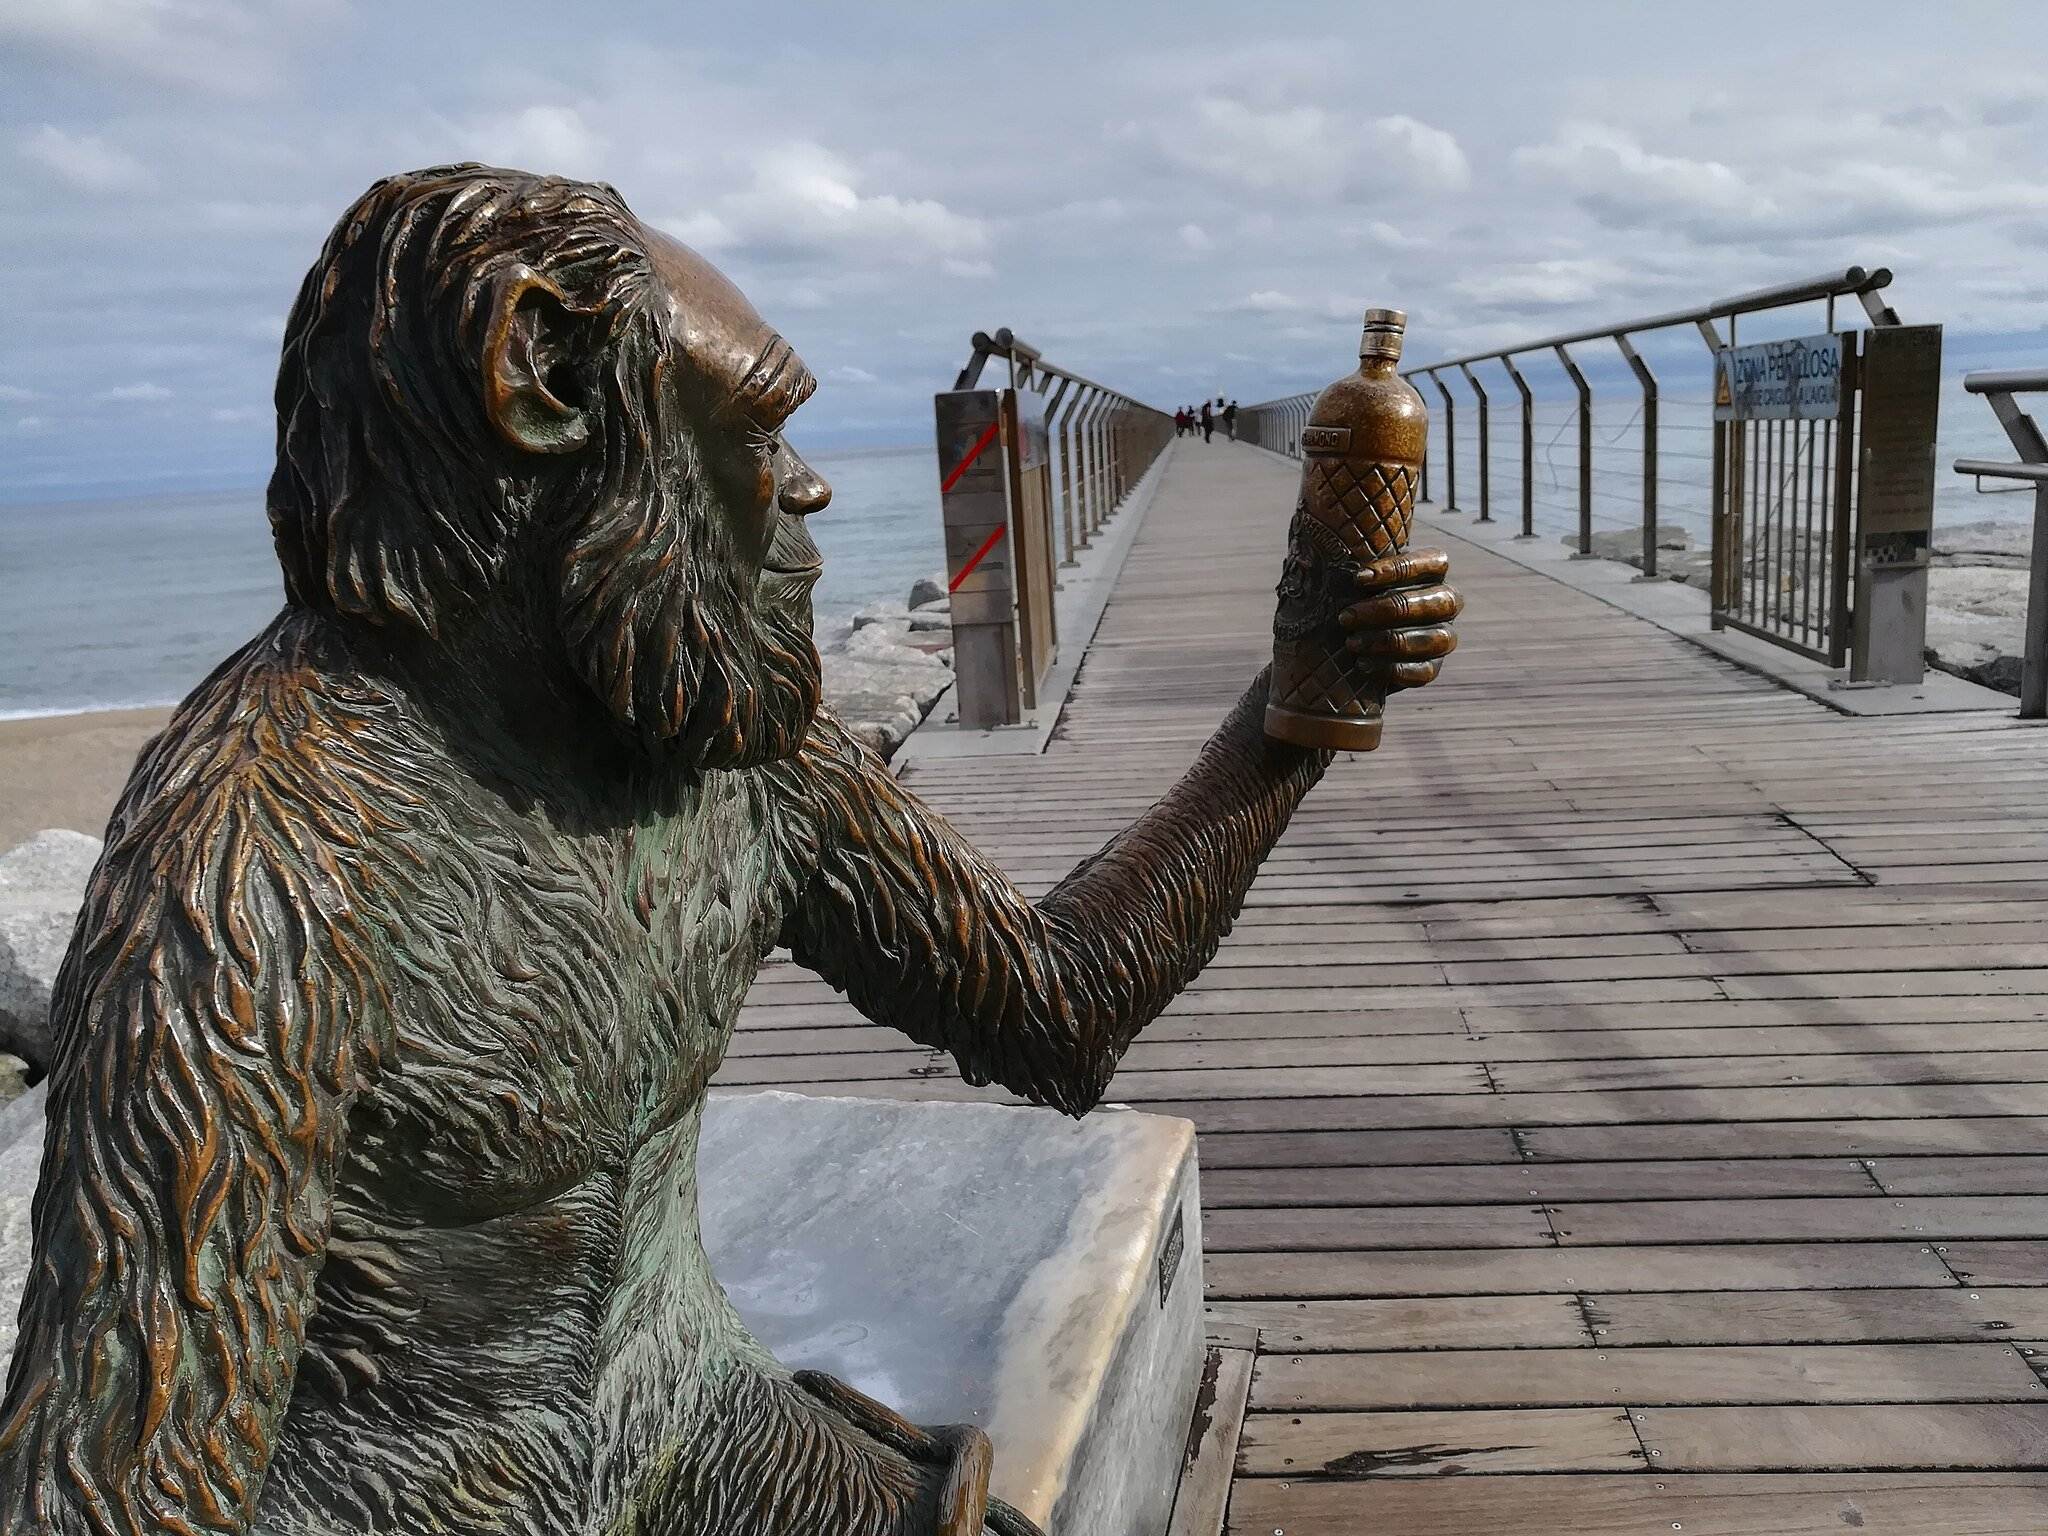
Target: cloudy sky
[[1176, 199]]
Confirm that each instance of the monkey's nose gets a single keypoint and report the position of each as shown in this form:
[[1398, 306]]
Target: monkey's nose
[[802, 491]]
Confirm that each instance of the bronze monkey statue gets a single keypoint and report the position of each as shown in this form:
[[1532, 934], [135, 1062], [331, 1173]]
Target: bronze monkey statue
[[368, 1198]]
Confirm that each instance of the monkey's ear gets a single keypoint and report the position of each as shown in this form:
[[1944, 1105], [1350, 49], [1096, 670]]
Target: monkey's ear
[[529, 365]]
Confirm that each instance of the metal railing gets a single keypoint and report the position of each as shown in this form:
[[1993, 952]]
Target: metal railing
[[1776, 498], [1857, 282], [1029, 474], [1102, 440], [1999, 387]]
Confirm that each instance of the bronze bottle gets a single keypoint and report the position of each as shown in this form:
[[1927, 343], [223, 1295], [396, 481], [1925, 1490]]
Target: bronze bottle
[[1361, 453]]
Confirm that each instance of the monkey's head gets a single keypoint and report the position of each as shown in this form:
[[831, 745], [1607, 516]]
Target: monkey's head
[[501, 391]]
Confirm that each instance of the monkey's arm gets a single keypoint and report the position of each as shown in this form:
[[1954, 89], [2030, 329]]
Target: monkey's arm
[[204, 1063], [926, 935]]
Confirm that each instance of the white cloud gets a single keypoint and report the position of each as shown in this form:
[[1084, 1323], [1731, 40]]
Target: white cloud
[[1619, 179], [1392, 237], [132, 393], [14, 392], [553, 140], [1543, 284], [229, 415], [84, 160], [1430, 156], [1265, 301], [255, 216], [1303, 148], [31, 426], [801, 200], [230, 47], [1195, 238], [851, 375]]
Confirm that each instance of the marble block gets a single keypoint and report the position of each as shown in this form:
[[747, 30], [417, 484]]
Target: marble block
[[974, 1263]]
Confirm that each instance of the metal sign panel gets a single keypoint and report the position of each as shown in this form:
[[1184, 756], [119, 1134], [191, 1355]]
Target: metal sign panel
[[1798, 380], [1901, 409]]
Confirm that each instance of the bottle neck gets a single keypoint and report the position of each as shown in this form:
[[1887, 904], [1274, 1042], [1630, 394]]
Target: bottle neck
[[1378, 365]]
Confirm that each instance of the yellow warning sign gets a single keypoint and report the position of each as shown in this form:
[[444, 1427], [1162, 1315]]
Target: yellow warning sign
[[1721, 394]]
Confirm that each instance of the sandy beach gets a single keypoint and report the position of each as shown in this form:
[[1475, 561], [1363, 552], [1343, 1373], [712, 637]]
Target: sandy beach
[[66, 770]]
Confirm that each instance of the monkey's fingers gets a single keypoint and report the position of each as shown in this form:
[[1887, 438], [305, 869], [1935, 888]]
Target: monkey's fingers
[[1428, 642], [1404, 568], [963, 1450], [1404, 608], [1412, 674], [963, 1500], [870, 1417], [1005, 1521]]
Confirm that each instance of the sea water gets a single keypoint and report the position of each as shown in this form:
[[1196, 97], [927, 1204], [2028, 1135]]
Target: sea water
[[112, 604]]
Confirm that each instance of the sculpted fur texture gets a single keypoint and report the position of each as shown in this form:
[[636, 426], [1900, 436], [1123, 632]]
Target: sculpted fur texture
[[369, 1187]]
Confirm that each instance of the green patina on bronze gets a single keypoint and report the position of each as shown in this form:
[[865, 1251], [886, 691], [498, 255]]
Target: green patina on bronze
[[368, 1200]]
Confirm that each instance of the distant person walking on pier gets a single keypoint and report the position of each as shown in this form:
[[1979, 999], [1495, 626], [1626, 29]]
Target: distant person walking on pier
[[1208, 422], [1181, 422], [1230, 421]]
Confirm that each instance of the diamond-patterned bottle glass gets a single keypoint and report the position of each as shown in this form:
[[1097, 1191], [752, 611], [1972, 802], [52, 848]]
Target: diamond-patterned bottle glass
[[1361, 453]]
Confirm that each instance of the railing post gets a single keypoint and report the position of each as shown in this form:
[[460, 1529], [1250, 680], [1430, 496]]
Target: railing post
[[2029, 444], [1426, 454], [1649, 382], [1719, 561], [2034, 657], [1058, 410], [975, 505], [1450, 445], [1485, 480], [1585, 450], [1100, 427], [1528, 448], [1087, 458]]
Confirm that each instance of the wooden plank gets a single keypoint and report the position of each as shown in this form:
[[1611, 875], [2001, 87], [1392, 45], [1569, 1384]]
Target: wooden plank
[[1424, 1226], [1762, 1438], [1817, 1317], [1265, 1187], [1752, 1221], [1734, 1373], [1738, 1072], [2020, 1263], [1360, 1445], [1796, 1138], [1765, 1504], [1529, 1111], [1360, 1149], [1204, 1493], [1962, 1175], [1411, 1322], [1519, 1271]]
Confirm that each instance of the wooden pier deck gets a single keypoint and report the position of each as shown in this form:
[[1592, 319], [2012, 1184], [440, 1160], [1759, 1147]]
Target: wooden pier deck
[[1624, 1102]]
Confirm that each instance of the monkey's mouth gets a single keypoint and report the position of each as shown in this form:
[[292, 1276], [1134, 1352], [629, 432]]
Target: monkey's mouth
[[792, 556]]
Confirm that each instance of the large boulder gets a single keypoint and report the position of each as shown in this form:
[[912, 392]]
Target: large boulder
[[1993, 544], [1976, 619], [21, 1159], [1626, 544], [42, 886], [881, 687], [927, 589]]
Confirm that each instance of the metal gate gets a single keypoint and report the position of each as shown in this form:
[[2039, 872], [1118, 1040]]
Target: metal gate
[[1783, 489], [1824, 495]]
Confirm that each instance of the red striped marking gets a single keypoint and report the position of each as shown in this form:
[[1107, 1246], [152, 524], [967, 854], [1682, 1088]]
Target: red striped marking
[[987, 544], [973, 453]]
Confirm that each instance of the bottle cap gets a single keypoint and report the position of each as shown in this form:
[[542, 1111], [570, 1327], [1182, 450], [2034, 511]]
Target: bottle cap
[[1382, 334]]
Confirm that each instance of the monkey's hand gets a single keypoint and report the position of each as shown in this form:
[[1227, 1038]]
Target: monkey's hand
[[1402, 628]]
